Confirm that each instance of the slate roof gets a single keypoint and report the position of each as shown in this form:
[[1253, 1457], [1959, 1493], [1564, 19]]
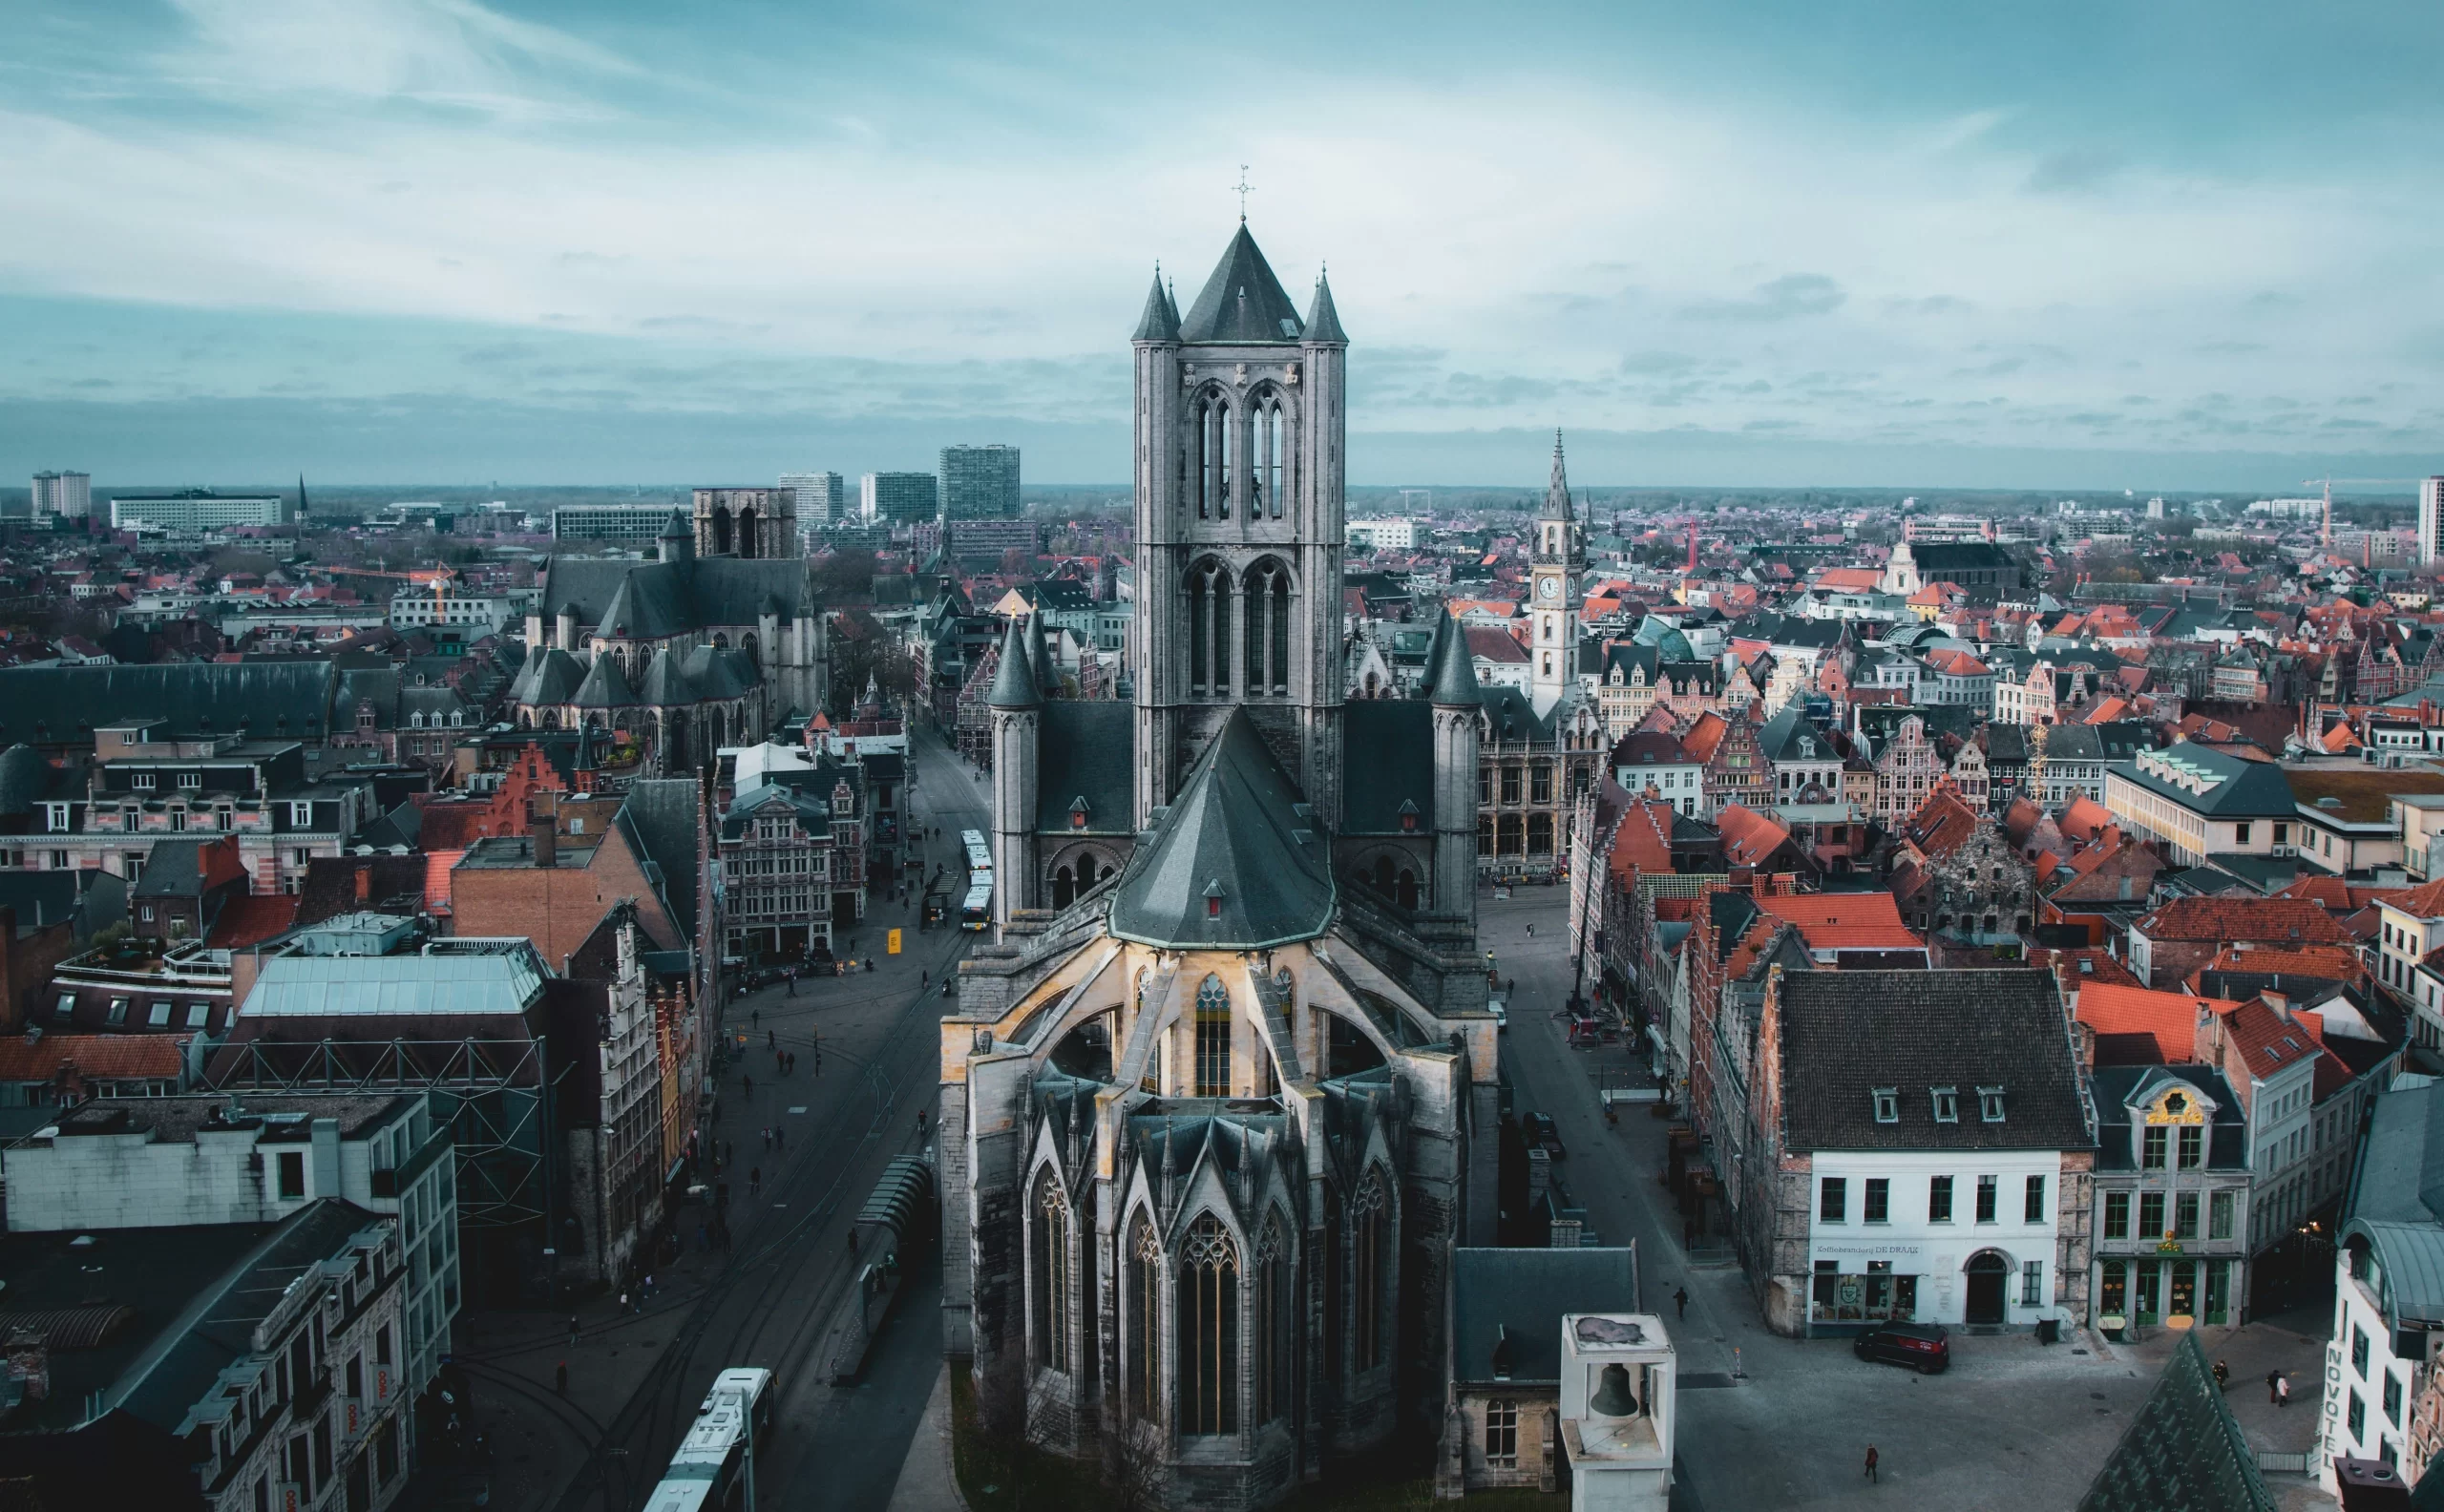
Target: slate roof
[[2234, 788], [1323, 322], [1779, 740], [1237, 832], [1014, 683], [1847, 1033], [1934, 559], [1242, 301], [25, 777], [2184, 1451], [1083, 750], [1159, 323], [604, 686], [667, 597], [2118, 1088], [64, 704], [1450, 675], [1396, 739], [2115, 740], [550, 676], [660, 814], [1513, 1299]]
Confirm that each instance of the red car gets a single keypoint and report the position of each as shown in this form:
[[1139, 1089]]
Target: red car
[[1923, 1347]]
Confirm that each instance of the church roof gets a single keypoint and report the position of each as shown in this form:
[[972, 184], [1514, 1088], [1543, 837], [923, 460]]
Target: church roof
[[604, 686], [1159, 324], [689, 594], [664, 685], [1233, 863], [2183, 1450], [1242, 301], [1084, 750], [550, 677], [1323, 322], [1397, 737]]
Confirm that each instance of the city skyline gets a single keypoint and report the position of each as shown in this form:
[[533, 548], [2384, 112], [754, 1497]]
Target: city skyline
[[1906, 249]]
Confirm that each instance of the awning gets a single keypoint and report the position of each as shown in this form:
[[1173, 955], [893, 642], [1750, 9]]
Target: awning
[[905, 1190]]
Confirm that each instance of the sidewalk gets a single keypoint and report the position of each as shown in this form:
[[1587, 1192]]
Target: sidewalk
[[928, 1483]]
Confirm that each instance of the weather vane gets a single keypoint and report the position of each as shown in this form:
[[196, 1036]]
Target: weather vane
[[1245, 189]]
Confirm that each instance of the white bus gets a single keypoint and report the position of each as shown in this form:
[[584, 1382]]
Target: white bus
[[714, 1465]]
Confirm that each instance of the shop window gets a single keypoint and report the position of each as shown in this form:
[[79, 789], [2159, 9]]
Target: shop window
[[2114, 1293]]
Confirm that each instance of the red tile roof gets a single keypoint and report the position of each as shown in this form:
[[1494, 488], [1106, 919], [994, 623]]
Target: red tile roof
[[2329, 962], [1943, 823], [2083, 818], [109, 1056], [2421, 902], [2169, 1020], [1843, 920], [252, 918], [1750, 837], [2272, 920], [2087, 966], [2268, 1042]]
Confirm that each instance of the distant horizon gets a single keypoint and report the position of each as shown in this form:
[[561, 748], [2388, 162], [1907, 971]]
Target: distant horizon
[[1743, 245]]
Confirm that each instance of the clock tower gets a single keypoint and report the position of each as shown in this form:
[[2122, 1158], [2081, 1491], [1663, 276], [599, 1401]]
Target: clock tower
[[1555, 566]]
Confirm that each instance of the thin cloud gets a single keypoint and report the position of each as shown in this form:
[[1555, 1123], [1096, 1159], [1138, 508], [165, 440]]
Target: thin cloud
[[1790, 297]]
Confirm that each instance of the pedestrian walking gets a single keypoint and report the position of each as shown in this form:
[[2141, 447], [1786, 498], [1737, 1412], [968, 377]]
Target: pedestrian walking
[[2223, 1376], [767, 1132], [703, 1240], [560, 1379], [1871, 1461], [572, 1328], [920, 1121], [624, 1304], [780, 1136], [792, 990], [851, 1236], [2283, 1391], [2273, 1388], [1532, 932], [772, 1039], [754, 1180], [750, 1085], [1680, 1300], [756, 1017]]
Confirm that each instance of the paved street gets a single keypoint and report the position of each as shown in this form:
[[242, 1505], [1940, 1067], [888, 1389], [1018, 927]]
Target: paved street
[[2012, 1424], [635, 1381]]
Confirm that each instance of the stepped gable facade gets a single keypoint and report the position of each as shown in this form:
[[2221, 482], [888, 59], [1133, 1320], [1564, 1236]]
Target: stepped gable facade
[[1220, 1100]]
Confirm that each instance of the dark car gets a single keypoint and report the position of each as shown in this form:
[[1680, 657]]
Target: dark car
[[1923, 1347], [1540, 1129]]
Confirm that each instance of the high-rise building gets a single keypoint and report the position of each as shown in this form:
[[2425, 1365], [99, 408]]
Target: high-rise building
[[980, 482], [899, 498], [822, 500], [637, 523], [2430, 519], [70, 496]]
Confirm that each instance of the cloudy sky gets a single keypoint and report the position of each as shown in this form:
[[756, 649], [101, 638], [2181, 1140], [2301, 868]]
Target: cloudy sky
[[2070, 246]]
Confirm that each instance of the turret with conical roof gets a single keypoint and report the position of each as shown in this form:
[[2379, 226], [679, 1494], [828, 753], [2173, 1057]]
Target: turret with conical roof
[[1160, 323], [1017, 717], [1323, 322], [1048, 680], [677, 541], [1451, 685], [1450, 671]]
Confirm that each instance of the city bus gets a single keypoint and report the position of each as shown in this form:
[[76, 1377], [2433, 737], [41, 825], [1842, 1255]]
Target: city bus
[[976, 912], [714, 1468]]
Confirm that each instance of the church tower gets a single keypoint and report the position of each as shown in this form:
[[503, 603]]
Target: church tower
[[1239, 471], [1556, 569]]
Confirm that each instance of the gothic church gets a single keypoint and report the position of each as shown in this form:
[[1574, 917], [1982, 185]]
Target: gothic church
[[1220, 1098]]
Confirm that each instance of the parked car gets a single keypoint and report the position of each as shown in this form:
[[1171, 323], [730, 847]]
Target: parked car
[[1500, 1012], [1540, 1129], [1923, 1347]]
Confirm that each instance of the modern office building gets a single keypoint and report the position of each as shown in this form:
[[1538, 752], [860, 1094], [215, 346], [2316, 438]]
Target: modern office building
[[2431, 518], [196, 509], [899, 498], [70, 496], [640, 523], [822, 496], [980, 482]]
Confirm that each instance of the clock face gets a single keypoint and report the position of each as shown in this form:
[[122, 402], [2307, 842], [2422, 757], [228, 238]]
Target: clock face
[[1548, 588]]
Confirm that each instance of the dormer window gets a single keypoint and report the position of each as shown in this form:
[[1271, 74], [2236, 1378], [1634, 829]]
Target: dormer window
[[1990, 1103], [1947, 1105], [1408, 814], [1888, 1104]]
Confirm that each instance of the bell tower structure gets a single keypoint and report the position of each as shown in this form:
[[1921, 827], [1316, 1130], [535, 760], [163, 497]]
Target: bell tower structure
[[1239, 473], [1557, 567]]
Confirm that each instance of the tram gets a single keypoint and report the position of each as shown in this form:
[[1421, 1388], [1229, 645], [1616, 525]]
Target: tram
[[714, 1470]]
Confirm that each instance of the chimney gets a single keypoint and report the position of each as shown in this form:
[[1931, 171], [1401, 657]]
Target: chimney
[[364, 885], [542, 829]]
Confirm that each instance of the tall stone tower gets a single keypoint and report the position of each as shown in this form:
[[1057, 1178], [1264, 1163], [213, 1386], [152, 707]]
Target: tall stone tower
[[747, 522], [1239, 483], [1556, 569]]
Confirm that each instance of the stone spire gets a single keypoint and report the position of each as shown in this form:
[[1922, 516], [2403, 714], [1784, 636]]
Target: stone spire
[[1557, 504], [1450, 672], [1323, 322], [1161, 322], [1014, 684]]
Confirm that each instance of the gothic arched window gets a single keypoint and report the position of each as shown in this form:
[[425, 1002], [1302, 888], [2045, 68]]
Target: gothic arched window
[[1209, 630], [1207, 1306], [1277, 457], [1275, 1318], [1146, 1323], [747, 542], [1212, 1038], [1267, 588], [1370, 1259], [1048, 1275]]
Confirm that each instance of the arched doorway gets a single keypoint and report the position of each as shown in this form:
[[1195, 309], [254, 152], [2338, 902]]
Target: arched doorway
[[1988, 1270]]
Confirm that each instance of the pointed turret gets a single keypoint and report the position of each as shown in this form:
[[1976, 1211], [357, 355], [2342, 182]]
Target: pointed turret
[[1450, 671], [1014, 683], [1040, 655], [1323, 322], [677, 541], [1557, 505], [1242, 303], [301, 496], [1160, 323]]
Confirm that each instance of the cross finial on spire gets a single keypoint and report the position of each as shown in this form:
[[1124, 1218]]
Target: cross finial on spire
[[1245, 189]]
